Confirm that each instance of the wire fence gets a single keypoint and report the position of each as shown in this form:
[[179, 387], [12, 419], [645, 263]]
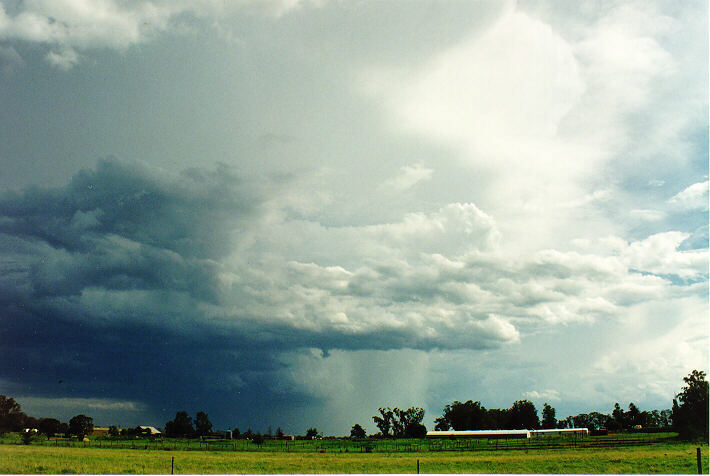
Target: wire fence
[[346, 445]]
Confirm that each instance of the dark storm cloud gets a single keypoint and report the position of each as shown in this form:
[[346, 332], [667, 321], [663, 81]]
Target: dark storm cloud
[[121, 227], [187, 215], [102, 280]]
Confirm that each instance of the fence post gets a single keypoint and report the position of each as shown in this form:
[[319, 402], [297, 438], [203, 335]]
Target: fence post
[[172, 465], [417, 466], [700, 462]]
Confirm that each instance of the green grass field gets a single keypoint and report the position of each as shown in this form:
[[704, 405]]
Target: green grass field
[[660, 457]]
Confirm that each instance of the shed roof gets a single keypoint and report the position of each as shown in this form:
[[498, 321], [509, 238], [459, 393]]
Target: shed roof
[[479, 433]]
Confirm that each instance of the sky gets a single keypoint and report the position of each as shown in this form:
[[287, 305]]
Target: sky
[[290, 213]]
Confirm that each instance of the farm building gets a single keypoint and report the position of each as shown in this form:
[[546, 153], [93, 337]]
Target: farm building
[[560, 431], [99, 431], [151, 430], [479, 434]]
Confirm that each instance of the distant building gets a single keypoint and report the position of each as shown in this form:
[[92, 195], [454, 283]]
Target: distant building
[[151, 430], [479, 434], [99, 431], [505, 433], [560, 431]]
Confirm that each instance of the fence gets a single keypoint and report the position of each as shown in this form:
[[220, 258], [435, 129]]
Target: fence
[[370, 445]]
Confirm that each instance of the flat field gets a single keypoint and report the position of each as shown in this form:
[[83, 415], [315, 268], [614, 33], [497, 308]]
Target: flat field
[[652, 458]]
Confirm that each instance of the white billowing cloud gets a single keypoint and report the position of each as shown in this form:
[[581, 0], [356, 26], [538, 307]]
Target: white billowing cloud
[[496, 96], [70, 26], [663, 340], [659, 254], [545, 117], [409, 176], [694, 197], [441, 280], [551, 395], [499, 98]]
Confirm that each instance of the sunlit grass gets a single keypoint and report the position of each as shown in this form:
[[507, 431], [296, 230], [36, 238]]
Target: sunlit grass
[[657, 458]]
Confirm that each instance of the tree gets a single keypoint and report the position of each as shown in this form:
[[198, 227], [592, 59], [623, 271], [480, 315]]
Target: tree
[[404, 421], [81, 425], [463, 416], [523, 416], [49, 426], [258, 439], [581, 421], [618, 418], [384, 422], [690, 416], [633, 417], [113, 430], [11, 416], [311, 433], [181, 426], [279, 433], [203, 425], [441, 424], [235, 433], [357, 431], [28, 435], [548, 417], [597, 420], [416, 430]]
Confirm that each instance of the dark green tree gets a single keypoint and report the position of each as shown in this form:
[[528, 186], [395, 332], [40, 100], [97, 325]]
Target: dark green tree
[[523, 416], [81, 425], [441, 424], [403, 421], [49, 426], [416, 430], [581, 421], [357, 431], [203, 425], [548, 417], [384, 422], [181, 426], [597, 420], [633, 417], [463, 416], [28, 435], [11, 416], [618, 418], [113, 430], [690, 416], [279, 433], [311, 433]]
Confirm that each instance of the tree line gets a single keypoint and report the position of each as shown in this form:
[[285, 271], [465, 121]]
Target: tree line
[[12, 418], [688, 416]]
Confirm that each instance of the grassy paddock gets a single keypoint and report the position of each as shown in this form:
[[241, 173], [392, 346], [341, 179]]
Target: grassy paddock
[[656, 458], [341, 445]]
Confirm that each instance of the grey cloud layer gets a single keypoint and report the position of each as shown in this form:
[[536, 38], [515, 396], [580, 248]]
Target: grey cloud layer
[[122, 243]]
